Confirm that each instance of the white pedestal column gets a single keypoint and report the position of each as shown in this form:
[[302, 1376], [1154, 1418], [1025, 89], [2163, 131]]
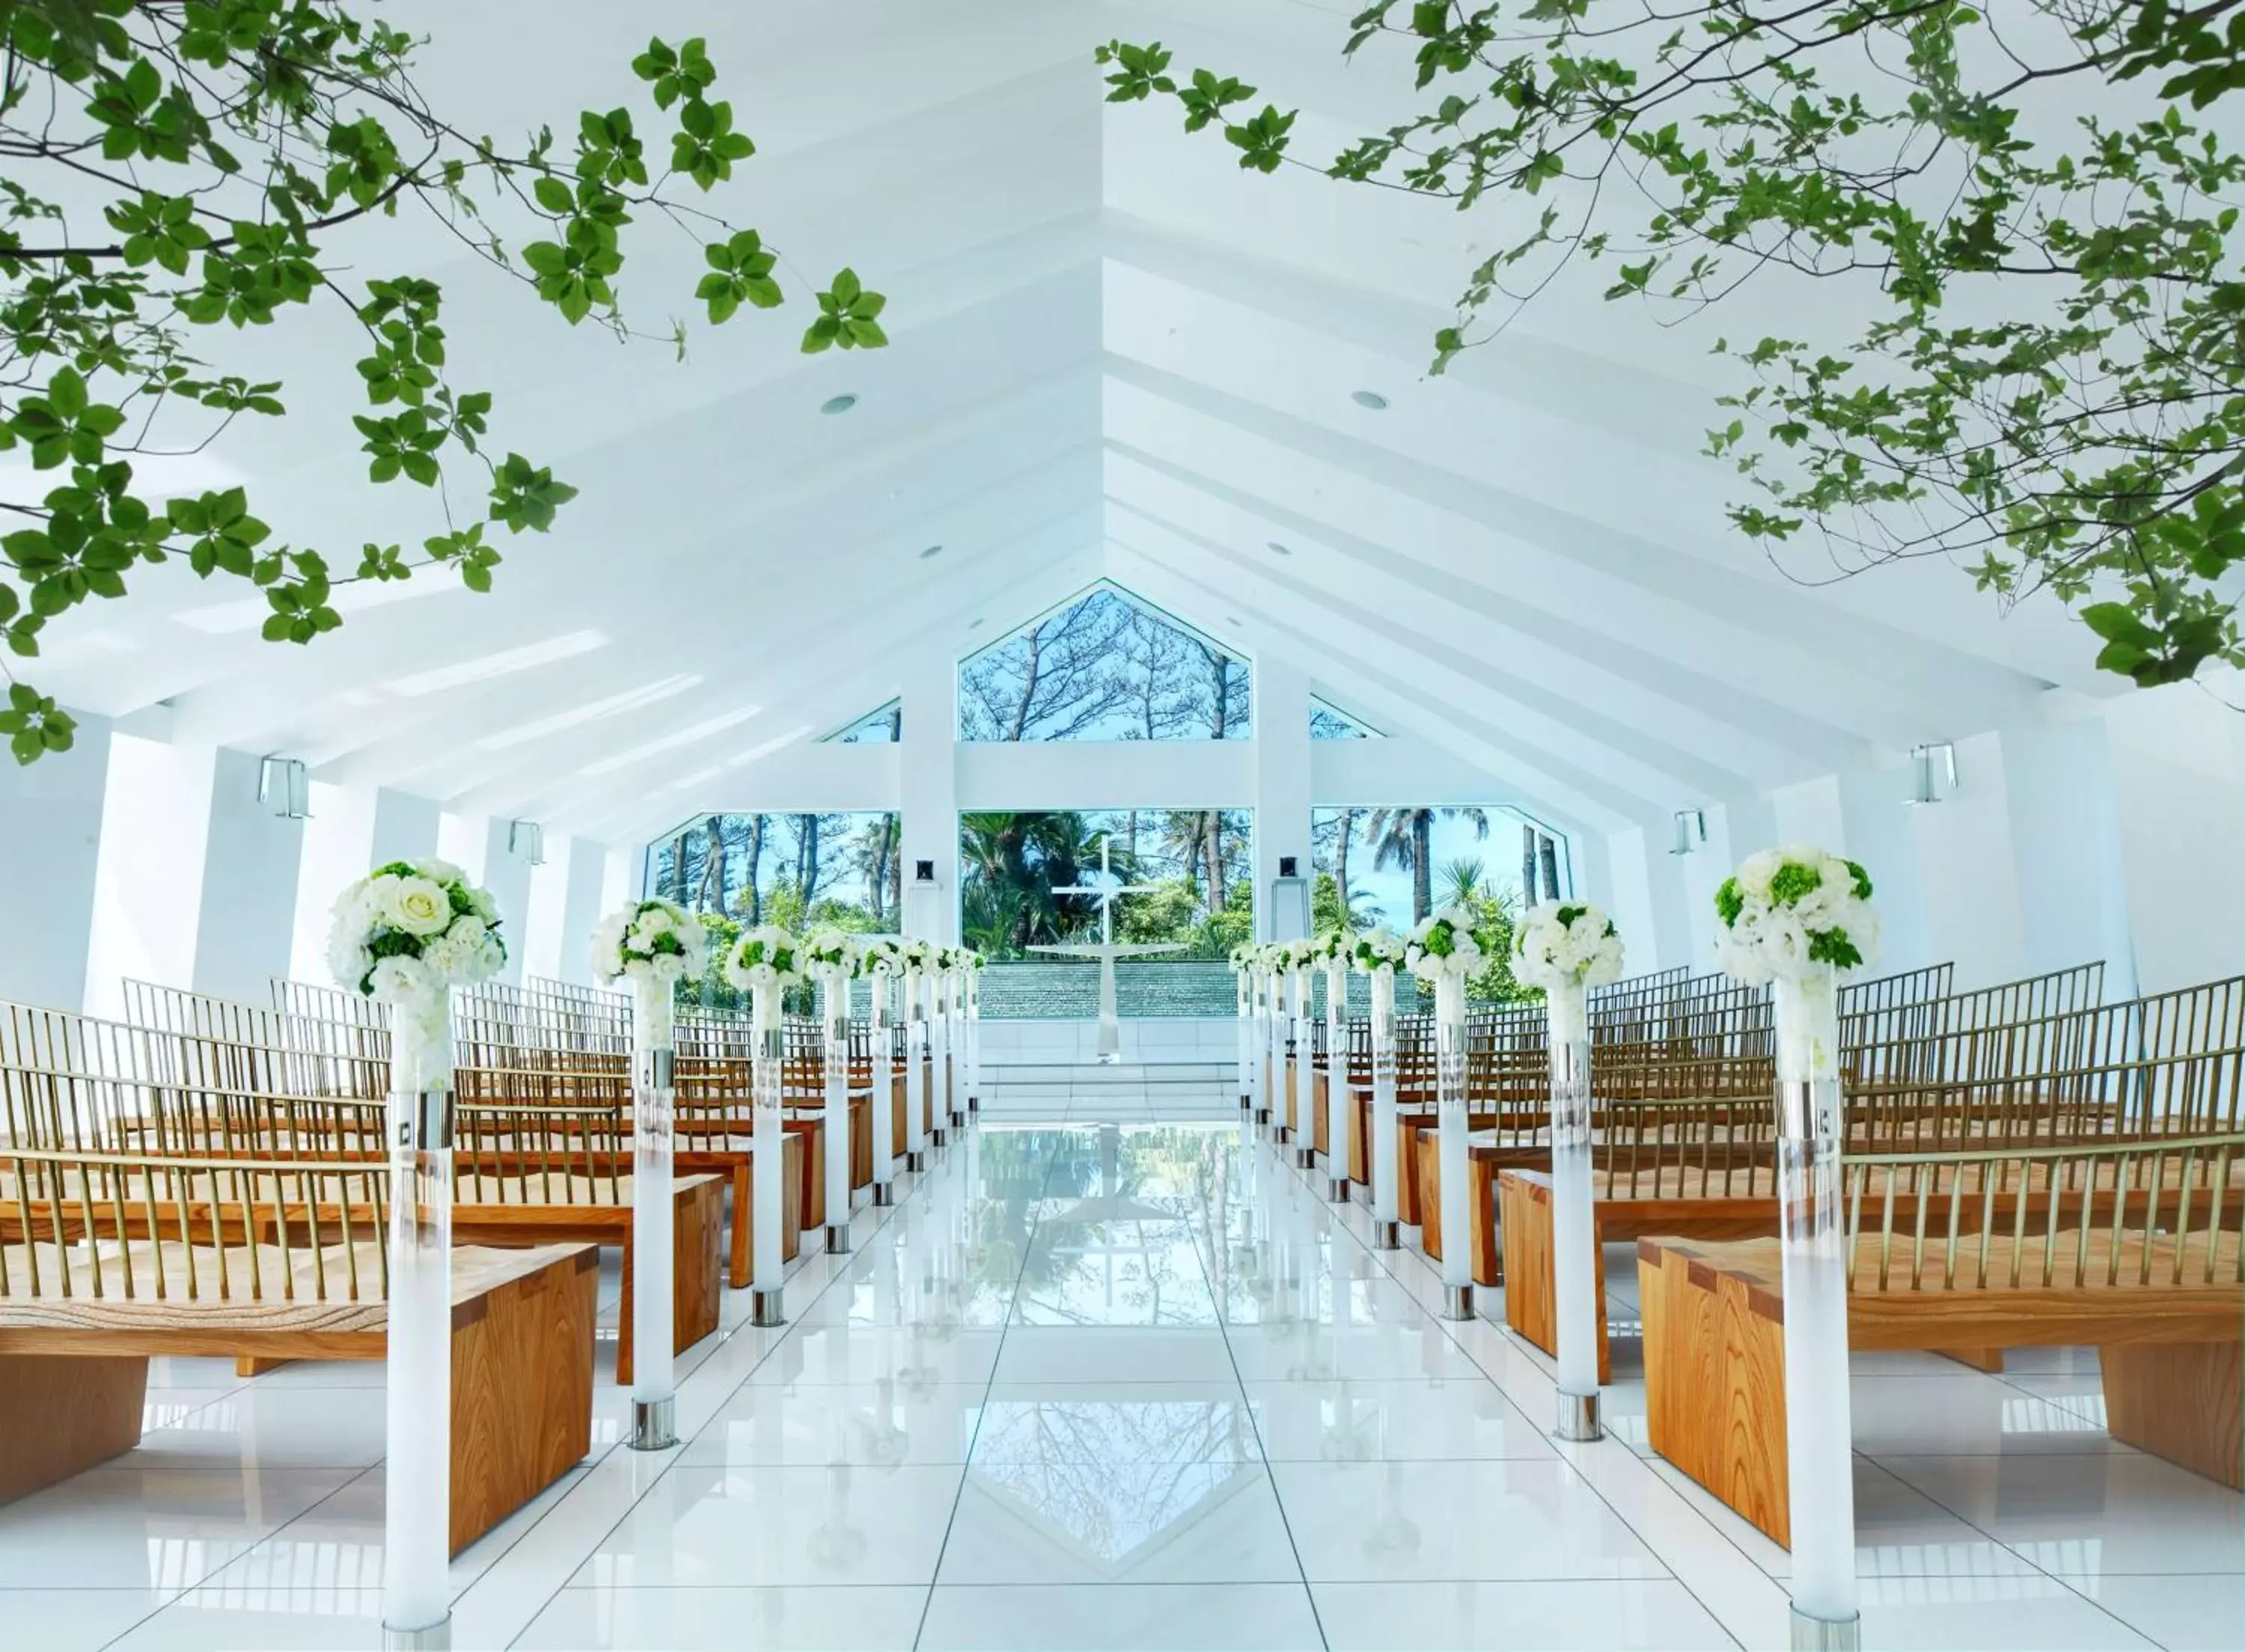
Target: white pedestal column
[[1574, 1241], [834, 1013], [767, 1175], [1246, 1040], [974, 1040], [915, 1076], [1385, 1233], [1451, 1123], [654, 1099], [1818, 1424], [416, 1597], [1297, 982], [1336, 1083], [884, 1090]]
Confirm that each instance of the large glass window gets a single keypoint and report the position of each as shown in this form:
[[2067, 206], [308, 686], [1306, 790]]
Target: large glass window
[[1107, 666], [1196, 862], [799, 870], [1394, 865], [1330, 722]]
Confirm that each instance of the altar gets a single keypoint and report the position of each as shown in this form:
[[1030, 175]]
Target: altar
[[1108, 888]]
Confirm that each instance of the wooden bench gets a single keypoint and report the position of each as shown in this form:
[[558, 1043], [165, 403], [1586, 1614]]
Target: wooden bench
[[2161, 1291], [87, 1297]]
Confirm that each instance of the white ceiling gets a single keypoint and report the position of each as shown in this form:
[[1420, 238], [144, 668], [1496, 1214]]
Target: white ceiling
[[1113, 354]]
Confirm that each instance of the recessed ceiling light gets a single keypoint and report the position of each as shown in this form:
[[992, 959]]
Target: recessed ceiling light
[[1233, 619], [1372, 399], [932, 551], [974, 624], [1280, 549], [834, 405]]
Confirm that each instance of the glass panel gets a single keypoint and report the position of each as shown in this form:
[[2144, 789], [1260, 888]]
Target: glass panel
[[1192, 875], [1106, 667], [884, 727], [1398, 863], [1328, 723]]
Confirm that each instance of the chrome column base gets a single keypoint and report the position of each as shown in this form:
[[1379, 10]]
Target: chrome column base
[[1262, 1115], [1825, 1635], [916, 1161], [769, 1306], [437, 1637], [837, 1238], [1337, 1189], [654, 1424], [936, 1137], [1458, 1302], [1578, 1417], [974, 1104], [1305, 1158], [885, 1194], [1386, 1235]]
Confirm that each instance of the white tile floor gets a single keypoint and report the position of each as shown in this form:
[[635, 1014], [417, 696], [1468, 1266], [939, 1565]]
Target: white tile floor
[[1127, 1382]]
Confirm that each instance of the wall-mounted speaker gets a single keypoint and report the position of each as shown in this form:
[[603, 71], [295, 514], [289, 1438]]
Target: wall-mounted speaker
[[1286, 863], [923, 871]]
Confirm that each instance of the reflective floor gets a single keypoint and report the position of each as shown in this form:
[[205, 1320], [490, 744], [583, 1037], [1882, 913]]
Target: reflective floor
[[1123, 1383]]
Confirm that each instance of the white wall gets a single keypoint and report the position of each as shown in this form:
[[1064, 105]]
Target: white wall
[[403, 827], [2073, 904], [2178, 762], [248, 898], [928, 801], [546, 917], [507, 876], [50, 830]]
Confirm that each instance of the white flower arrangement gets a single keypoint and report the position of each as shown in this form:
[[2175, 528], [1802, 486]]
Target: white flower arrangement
[[1376, 950], [657, 941], [1564, 944], [919, 955], [1334, 947], [1442, 944], [410, 930], [767, 957], [880, 955], [1788, 913], [828, 948], [1243, 957], [1303, 954]]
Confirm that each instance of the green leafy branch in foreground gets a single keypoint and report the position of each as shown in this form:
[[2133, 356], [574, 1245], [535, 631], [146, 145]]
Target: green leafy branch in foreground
[[2047, 388], [209, 152]]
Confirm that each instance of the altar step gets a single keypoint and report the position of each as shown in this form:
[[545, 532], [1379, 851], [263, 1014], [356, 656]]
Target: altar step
[[1162, 1089]]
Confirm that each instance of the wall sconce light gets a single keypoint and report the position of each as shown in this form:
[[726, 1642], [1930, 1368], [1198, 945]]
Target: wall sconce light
[[284, 785], [1691, 831], [1932, 771], [526, 840]]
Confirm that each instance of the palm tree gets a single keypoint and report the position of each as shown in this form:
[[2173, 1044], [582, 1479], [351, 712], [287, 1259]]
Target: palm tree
[[1461, 882], [1403, 838]]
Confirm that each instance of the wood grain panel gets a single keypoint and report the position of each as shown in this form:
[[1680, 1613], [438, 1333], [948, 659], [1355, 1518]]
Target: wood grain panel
[[697, 1213], [1321, 1119], [2183, 1402], [61, 1414], [522, 1391], [807, 1143], [1530, 1290]]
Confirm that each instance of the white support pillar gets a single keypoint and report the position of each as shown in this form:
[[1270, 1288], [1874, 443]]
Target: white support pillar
[[927, 785], [506, 874], [1282, 788], [148, 877], [2065, 834], [251, 859], [546, 935], [339, 849], [582, 908], [50, 822]]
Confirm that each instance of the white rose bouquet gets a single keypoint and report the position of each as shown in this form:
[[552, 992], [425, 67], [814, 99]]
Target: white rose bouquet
[[654, 945], [1442, 946], [1788, 912], [828, 948], [880, 955], [766, 959], [1376, 950], [403, 935], [1566, 944]]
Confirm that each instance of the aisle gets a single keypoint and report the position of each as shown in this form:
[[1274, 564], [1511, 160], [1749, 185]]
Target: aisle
[[1116, 1383]]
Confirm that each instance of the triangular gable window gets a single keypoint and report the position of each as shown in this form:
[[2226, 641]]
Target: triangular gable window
[[884, 727], [1329, 722], [1105, 666]]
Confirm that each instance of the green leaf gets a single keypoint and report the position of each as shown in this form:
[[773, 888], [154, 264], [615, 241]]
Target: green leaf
[[554, 195]]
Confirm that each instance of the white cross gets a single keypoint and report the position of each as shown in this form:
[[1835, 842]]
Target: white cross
[[1106, 889]]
